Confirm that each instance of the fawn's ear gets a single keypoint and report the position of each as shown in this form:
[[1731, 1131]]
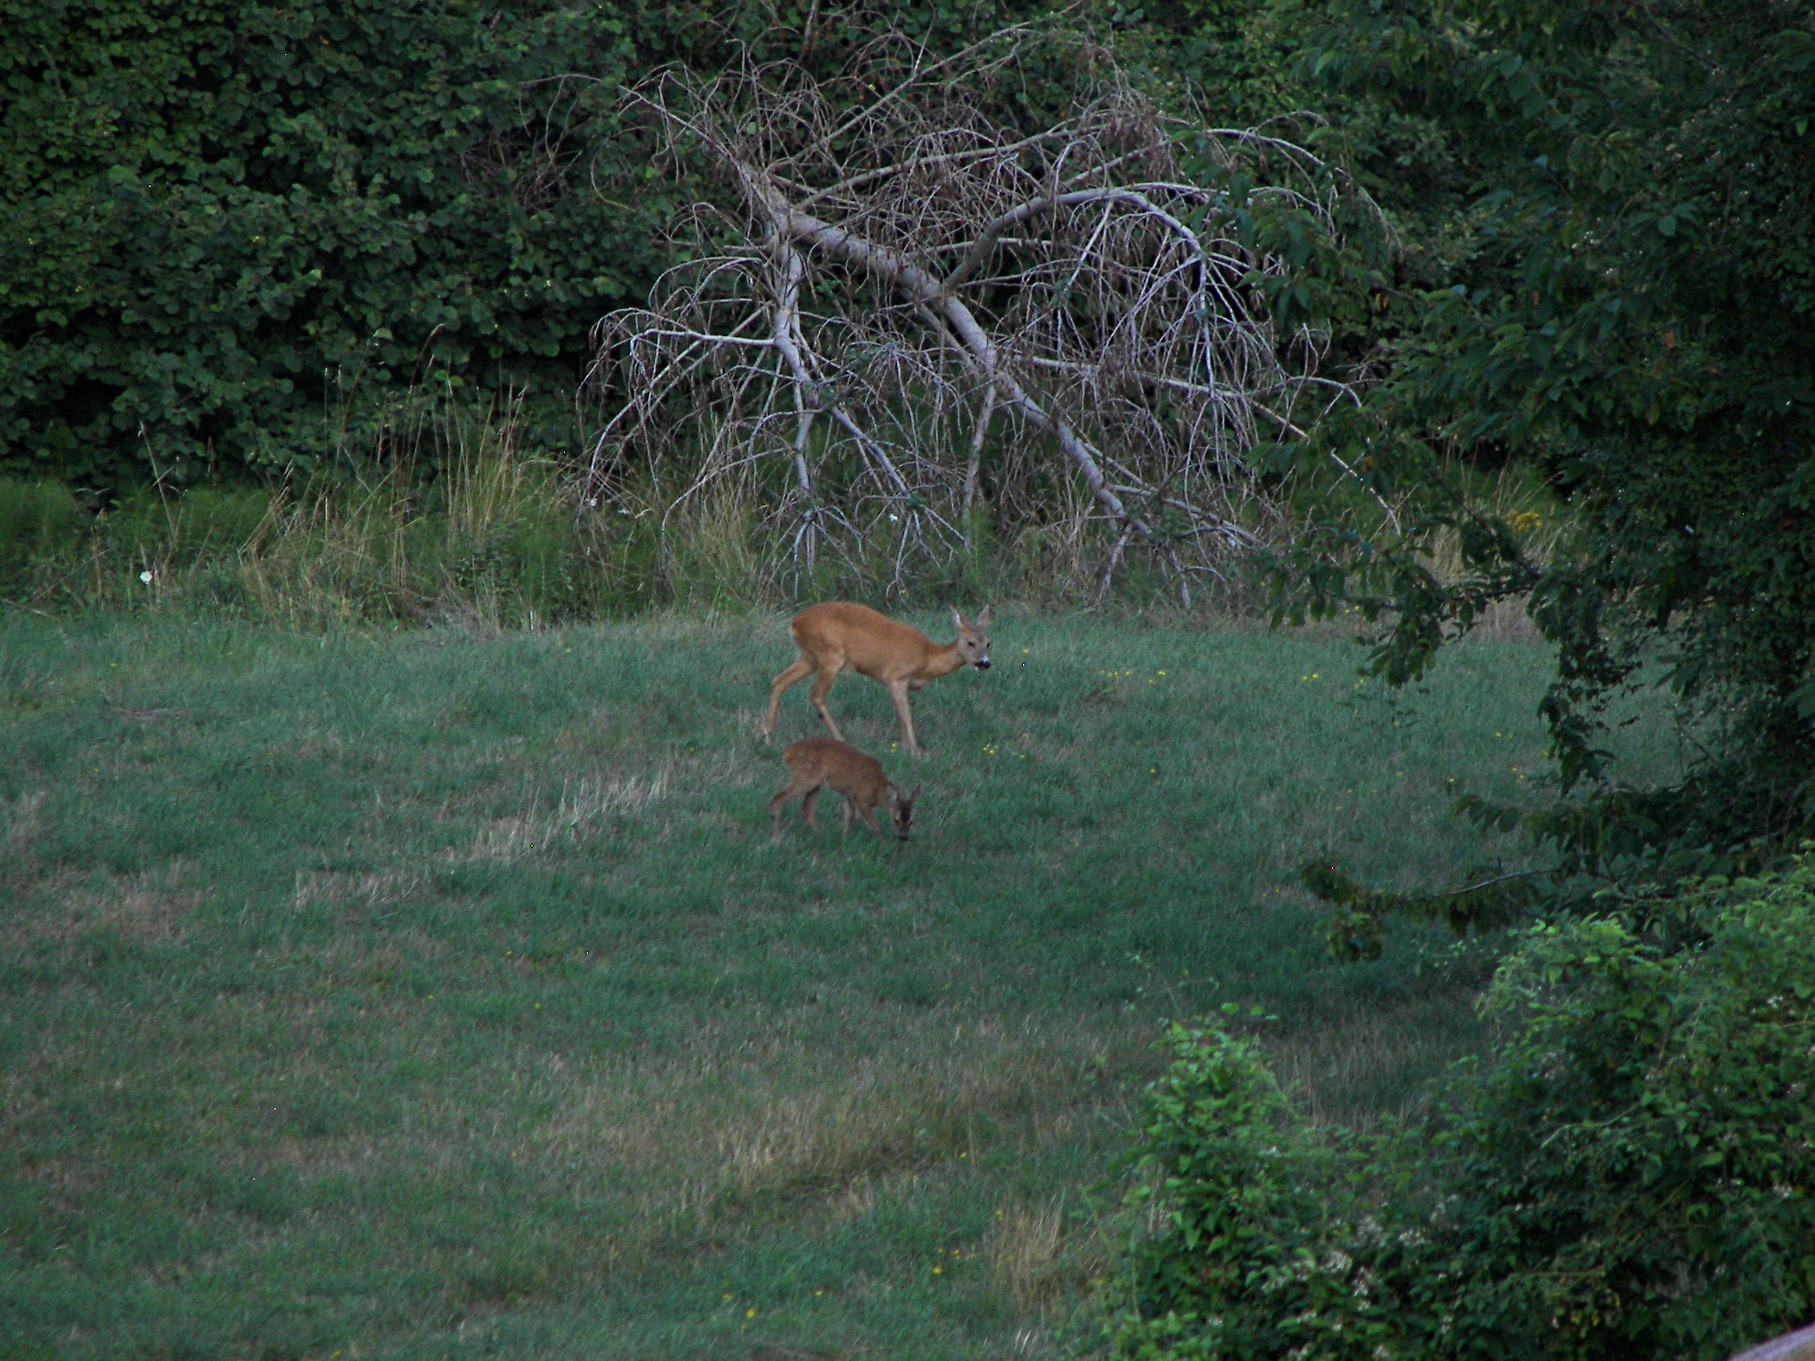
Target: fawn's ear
[[983, 618], [912, 794], [958, 620]]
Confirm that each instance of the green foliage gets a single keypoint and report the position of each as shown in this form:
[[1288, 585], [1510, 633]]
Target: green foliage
[[1356, 928], [226, 220], [1243, 1266], [1630, 1171], [1634, 1171], [1243, 63], [1229, 58], [1229, 63], [214, 208], [1634, 315]]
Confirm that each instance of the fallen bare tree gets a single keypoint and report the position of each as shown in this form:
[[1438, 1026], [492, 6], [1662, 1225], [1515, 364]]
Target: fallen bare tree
[[906, 309]]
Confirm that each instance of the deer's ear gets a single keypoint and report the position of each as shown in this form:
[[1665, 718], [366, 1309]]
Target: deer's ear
[[983, 618], [913, 793]]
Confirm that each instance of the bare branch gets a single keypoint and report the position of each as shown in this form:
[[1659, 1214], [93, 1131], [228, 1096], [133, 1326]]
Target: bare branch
[[906, 265]]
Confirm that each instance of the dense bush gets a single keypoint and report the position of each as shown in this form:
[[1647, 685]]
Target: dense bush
[[1631, 313], [232, 225], [1630, 1172], [1250, 1262], [231, 228]]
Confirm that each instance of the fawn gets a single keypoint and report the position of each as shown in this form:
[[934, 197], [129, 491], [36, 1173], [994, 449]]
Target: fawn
[[818, 761]]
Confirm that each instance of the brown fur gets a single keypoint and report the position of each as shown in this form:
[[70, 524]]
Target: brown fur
[[818, 761], [838, 636]]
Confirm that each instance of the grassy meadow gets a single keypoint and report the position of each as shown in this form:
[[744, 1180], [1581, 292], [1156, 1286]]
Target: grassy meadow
[[443, 993]]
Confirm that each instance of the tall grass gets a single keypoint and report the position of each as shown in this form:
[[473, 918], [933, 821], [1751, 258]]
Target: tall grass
[[427, 510], [482, 533], [1519, 497], [446, 516], [433, 992]]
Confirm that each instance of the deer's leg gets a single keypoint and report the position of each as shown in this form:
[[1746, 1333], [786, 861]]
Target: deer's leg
[[801, 669], [776, 804], [828, 672], [898, 691], [806, 807], [868, 813], [849, 804]]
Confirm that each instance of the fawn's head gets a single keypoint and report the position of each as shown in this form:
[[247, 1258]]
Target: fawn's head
[[973, 645], [901, 808]]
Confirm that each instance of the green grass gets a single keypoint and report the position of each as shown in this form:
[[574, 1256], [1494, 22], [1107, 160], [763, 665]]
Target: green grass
[[435, 995]]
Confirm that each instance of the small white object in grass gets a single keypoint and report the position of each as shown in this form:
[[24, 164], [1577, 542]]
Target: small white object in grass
[[146, 576]]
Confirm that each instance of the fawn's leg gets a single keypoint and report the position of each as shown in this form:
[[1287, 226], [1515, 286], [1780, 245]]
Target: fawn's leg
[[796, 786]]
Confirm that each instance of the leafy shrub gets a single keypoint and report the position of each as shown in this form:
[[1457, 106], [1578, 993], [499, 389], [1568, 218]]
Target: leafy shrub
[[1250, 1262], [1634, 1171], [229, 224], [1630, 1172], [224, 217], [1622, 310]]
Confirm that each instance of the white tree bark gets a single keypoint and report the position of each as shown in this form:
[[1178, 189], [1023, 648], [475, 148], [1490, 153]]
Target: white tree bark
[[904, 303]]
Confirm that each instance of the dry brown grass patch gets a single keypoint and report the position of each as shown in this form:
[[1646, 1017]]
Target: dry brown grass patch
[[1032, 1259], [340, 888], [66, 1179], [395, 952], [583, 802], [21, 820], [1507, 620], [712, 1139], [1333, 1070], [149, 908]]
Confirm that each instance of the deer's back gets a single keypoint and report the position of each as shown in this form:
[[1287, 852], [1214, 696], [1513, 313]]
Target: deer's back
[[869, 642], [837, 763]]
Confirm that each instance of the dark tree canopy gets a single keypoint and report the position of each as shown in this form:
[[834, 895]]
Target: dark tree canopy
[[1634, 316], [231, 228]]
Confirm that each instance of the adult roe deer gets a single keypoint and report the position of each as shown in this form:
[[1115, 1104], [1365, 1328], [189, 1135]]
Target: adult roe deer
[[819, 761], [837, 636]]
